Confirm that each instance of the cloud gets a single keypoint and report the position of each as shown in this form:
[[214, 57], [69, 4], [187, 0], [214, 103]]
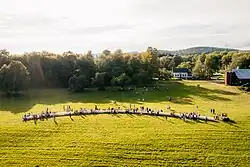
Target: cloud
[[205, 31], [243, 45], [16, 25], [96, 29], [14, 21], [128, 24]]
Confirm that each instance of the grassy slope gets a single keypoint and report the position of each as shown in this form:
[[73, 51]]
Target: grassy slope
[[126, 139]]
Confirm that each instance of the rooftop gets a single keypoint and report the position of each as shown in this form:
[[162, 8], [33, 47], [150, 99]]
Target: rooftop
[[242, 73], [181, 70]]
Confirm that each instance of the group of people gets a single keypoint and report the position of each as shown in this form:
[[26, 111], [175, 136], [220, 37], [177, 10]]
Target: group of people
[[212, 110], [43, 115], [192, 115], [113, 110], [69, 111]]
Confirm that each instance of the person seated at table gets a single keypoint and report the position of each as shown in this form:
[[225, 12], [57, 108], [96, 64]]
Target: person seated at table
[[25, 117], [47, 114]]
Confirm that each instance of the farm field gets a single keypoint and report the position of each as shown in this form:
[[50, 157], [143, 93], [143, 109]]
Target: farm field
[[128, 140]]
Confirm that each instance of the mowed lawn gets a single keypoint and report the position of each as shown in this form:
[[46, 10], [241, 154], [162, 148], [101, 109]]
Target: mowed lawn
[[128, 140]]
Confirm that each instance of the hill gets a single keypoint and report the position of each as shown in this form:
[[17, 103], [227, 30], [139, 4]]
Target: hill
[[194, 50]]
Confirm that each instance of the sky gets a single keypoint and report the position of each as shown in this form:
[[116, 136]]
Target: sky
[[130, 25]]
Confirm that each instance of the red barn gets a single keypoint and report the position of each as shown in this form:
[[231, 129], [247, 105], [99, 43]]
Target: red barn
[[237, 77]]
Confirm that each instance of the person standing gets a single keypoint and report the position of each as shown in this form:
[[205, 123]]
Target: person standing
[[197, 109]]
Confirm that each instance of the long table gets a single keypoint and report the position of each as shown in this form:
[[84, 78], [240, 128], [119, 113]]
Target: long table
[[92, 112]]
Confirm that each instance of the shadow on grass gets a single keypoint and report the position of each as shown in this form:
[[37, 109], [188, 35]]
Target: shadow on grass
[[213, 124], [179, 92], [130, 115], [55, 122], [232, 123], [115, 115], [189, 121], [160, 118], [170, 121], [201, 122]]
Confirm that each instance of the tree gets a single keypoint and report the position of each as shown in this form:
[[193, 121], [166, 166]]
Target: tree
[[226, 61], [106, 52], [114, 64], [199, 69], [66, 65], [177, 60], [101, 80], [188, 58], [208, 67], [149, 63], [51, 69], [133, 66], [216, 62], [167, 62], [241, 60], [164, 74], [54, 70], [185, 65], [211, 65], [202, 57], [33, 64], [153, 51], [171, 64], [141, 78], [14, 77], [4, 57], [86, 65], [122, 81], [77, 83]]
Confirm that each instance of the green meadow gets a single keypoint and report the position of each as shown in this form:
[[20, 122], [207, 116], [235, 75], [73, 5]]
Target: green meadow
[[128, 140]]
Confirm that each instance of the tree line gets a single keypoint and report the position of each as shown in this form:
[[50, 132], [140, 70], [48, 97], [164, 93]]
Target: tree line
[[79, 71]]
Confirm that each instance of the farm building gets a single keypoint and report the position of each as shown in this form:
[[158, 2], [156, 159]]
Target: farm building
[[237, 77], [182, 73]]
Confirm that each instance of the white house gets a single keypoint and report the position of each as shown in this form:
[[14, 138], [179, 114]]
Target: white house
[[181, 73]]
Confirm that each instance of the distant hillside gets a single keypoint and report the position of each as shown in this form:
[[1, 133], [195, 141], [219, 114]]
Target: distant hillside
[[194, 50]]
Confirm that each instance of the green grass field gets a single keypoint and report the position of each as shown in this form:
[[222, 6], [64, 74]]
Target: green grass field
[[128, 140]]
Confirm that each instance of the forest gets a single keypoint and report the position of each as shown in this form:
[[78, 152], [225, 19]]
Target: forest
[[77, 71]]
